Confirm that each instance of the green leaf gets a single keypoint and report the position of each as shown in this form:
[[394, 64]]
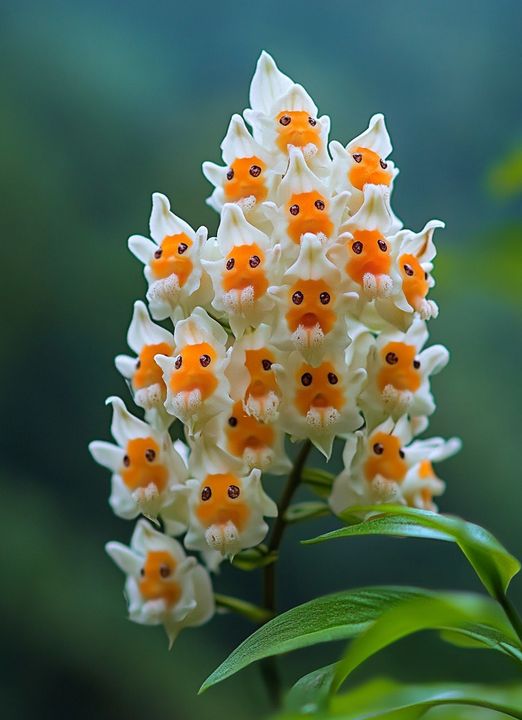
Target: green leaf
[[254, 558], [385, 700], [440, 611], [306, 511], [318, 480], [242, 607], [491, 561], [339, 616], [311, 693]]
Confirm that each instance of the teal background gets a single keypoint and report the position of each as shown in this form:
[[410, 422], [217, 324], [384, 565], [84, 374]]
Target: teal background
[[102, 103]]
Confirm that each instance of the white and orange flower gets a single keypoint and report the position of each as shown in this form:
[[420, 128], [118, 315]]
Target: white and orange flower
[[247, 178], [227, 505], [148, 472], [304, 205], [364, 162], [381, 466], [146, 339], [283, 115], [399, 372], [172, 262], [320, 402], [312, 306], [247, 265], [163, 586], [251, 374], [197, 388]]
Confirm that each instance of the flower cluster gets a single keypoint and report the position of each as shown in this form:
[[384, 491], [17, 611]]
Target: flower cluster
[[306, 316]]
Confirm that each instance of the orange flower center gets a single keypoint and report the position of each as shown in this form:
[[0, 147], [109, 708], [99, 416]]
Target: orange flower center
[[369, 252], [245, 432], [194, 370], [400, 368], [245, 267], [368, 168], [308, 213], [318, 388], [141, 465], [246, 177], [171, 258], [156, 578], [262, 378], [414, 279], [386, 458], [148, 372], [310, 305], [297, 128], [220, 501]]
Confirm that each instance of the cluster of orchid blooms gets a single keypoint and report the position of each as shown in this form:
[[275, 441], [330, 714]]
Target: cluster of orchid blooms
[[305, 316]]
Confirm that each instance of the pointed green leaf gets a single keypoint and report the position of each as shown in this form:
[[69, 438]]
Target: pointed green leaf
[[333, 617], [406, 702], [491, 561], [384, 699], [440, 611]]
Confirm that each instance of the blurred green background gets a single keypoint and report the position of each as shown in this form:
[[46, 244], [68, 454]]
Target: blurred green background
[[103, 102]]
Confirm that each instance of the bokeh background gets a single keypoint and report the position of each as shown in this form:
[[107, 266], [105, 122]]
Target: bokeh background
[[103, 102]]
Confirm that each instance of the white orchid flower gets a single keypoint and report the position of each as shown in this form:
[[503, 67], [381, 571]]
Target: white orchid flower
[[304, 205], [251, 375], [364, 162], [258, 444], [148, 472], [380, 466], [227, 505], [246, 178], [197, 388], [365, 250], [163, 586], [399, 372], [413, 258], [146, 339], [247, 265], [312, 305], [283, 115], [172, 262], [319, 402]]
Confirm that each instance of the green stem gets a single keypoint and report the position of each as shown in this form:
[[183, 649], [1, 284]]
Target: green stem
[[512, 614], [269, 668]]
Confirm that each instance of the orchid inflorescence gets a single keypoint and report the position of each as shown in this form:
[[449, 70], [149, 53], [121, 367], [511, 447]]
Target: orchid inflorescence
[[306, 316]]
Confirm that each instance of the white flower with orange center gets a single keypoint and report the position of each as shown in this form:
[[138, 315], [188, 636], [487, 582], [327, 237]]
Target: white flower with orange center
[[197, 388], [247, 178], [148, 472], [364, 161], [304, 205], [251, 374], [381, 466], [143, 373], [283, 115], [172, 262], [320, 402], [312, 305], [364, 248], [256, 443], [163, 586], [414, 259], [247, 265], [226, 505], [399, 372]]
